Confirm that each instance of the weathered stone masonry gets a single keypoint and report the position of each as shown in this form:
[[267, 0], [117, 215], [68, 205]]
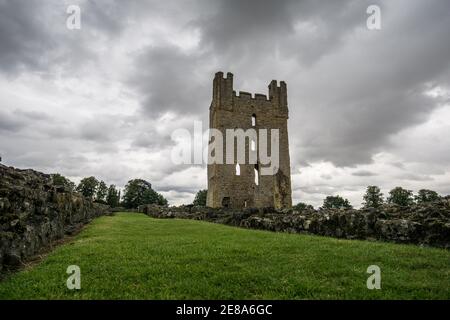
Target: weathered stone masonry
[[425, 224], [34, 213], [231, 111]]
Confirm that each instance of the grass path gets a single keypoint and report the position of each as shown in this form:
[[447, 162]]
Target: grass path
[[131, 256]]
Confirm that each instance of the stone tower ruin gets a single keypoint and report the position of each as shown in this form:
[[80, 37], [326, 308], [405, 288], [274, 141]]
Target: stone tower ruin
[[242, 185]]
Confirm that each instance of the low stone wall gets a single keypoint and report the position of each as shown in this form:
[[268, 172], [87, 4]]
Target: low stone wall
[[425, 224], [34, 213]]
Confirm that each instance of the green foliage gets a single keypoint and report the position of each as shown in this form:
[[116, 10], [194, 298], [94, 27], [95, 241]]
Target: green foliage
[[88, 187], [102, 190], [373, 198], [200, 198], [131, 256], [139, 192], [59, 180], [336, 202], [161, 200], [425, 195], [113, 196], [401, 197], [302, 206]]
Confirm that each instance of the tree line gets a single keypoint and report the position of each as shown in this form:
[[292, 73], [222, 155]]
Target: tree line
[[140, 192], [373, 198], [136, 192]]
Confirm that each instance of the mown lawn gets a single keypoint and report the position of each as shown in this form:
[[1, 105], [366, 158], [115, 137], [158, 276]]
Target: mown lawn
[[131, 256]]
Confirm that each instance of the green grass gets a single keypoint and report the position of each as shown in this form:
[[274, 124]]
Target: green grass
[[131, 256]]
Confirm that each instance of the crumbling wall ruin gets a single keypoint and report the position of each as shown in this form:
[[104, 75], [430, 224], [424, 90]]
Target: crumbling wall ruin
[[425, 224], [34, 213]]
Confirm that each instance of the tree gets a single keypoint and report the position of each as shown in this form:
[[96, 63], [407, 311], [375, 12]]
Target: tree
[[112, 196], [425, 195], [336, 202], [102, 190], [87, 187], [59, 180], [302, 206], [139, 192], [401, 197], [161, 200], [373, 198], [200, 198]]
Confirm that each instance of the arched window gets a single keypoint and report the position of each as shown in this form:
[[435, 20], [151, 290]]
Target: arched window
[[253, 120], [238, 169]]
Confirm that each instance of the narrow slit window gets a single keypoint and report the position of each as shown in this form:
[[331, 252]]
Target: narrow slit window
[[238, 169], [253, 120], [256, 175]]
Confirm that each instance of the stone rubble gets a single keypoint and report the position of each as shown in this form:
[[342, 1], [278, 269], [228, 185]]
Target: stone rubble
[[34, 213], [424, 224]]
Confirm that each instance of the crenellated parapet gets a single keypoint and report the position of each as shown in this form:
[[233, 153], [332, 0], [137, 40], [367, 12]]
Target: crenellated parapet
[[226, 98], [278, 95], [223, 91], [248, 96]]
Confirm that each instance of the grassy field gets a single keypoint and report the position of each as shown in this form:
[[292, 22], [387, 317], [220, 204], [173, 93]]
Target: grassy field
[[131, 256]]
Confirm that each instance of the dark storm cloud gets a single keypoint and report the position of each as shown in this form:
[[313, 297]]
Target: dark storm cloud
[[245, 23], [351, 91], [357, 98], [355, 129], [34, 37], [10, 123], [238, 36], [104, 15], [16, 120], [368, 94], [23, 36], [368, 90], [304, 30], [169, 80]]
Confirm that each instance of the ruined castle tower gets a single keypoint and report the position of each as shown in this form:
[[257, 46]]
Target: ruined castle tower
[[242, 185]]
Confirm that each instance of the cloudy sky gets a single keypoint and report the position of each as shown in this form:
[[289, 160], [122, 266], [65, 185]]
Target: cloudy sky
[[366, 106]]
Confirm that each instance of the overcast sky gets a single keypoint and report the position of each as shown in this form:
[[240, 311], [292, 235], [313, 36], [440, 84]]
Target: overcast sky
[[367, 107]]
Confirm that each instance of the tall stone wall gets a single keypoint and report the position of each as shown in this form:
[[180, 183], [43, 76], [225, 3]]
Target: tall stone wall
[[34, 213], [425, 224]]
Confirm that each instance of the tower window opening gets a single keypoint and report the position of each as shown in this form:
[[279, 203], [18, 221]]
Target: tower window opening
[[226, 202], [253, 145], [253, 120], [238, 169], [256, 175]]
